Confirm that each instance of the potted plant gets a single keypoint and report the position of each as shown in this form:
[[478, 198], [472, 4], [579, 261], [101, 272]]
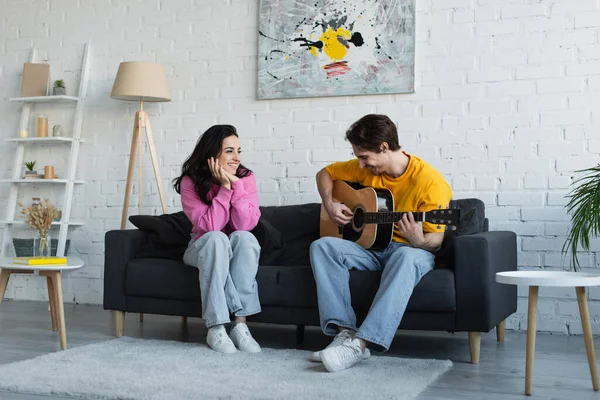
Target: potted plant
[[30, 172], [584, 208], [59, 87]]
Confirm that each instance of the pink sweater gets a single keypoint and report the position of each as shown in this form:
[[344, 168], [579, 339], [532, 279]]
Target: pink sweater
[[231, 210]]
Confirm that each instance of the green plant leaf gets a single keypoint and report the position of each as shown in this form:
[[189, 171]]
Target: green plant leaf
[[584, 208], [30, 165]]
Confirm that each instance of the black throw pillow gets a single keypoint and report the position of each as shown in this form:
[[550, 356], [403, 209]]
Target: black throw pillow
[[268, 237], [468, 225], [168, 235]]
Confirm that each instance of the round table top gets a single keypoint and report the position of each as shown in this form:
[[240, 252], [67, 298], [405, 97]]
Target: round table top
[[72, 263], [549, 278]]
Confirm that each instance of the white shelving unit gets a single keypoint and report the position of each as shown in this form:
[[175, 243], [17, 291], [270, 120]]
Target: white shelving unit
[[68, 180]]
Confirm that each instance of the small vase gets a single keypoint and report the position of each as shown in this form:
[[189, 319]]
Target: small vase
[[41, 245]]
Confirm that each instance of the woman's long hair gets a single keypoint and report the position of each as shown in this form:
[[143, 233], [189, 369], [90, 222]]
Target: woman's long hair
[[196, 165]]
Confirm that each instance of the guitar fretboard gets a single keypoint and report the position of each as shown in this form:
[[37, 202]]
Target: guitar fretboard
[[388, 217]]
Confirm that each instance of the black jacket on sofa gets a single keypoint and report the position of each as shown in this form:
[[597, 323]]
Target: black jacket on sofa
[[143, 272]]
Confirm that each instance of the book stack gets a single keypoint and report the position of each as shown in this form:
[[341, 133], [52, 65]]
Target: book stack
[[40, 260], [33, 176]]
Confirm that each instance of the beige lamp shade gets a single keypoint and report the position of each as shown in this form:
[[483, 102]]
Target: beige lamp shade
[[141, 81]]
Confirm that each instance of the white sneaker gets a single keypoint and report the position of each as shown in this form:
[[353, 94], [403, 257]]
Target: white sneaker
[[243, 340], [342, 357], [337, 340], [218, 340]]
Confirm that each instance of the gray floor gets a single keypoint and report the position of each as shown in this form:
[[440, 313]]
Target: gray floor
[[561, 369]]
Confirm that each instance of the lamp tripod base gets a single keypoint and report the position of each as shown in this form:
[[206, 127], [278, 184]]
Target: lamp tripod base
[[141, 123]]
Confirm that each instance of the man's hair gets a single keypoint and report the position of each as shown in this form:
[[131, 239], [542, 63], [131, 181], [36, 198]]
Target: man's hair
[[371, 131]]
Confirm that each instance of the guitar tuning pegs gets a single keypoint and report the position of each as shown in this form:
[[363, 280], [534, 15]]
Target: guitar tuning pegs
[[453, 228]]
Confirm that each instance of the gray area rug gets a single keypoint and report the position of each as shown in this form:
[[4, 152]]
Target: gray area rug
[[140, 369]]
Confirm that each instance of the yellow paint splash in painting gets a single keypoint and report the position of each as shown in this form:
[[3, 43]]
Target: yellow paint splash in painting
[[331, 45]]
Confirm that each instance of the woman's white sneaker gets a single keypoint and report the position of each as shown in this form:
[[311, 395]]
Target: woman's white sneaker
[[218, 340], [243, 340]]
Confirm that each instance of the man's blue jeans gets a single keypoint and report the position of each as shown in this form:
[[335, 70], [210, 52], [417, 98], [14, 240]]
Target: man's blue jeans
[[402, 268]]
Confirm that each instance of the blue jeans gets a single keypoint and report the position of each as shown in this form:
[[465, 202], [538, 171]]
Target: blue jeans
[[402, 268], [227, 269]]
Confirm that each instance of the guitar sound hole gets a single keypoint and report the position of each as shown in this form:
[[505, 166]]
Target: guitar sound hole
[[358, 219]]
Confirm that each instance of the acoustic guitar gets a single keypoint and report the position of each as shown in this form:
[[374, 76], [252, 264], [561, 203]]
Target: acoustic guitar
[[372, 224]]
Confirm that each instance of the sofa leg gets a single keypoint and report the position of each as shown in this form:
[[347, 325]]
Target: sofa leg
[[184, 320], [299, 335], [500, 331], [141, 317], [119, 322], [474, 346]]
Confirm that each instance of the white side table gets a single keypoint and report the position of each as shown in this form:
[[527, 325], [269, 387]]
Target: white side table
[[54, 281], [535, 279]]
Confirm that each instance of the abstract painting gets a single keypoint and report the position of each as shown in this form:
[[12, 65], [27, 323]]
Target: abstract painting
[[335, 47]]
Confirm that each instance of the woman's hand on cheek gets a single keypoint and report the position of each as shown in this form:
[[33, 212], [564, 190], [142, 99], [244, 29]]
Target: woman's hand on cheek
[[218, 173], [230, 176]]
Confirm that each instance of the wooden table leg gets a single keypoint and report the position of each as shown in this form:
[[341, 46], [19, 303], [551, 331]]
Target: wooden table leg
[[587, 334], [60, 311], [531, 331], [52, 301], [4, 275]]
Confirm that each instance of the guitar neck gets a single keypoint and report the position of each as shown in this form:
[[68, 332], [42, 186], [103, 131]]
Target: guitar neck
[[389, 217]]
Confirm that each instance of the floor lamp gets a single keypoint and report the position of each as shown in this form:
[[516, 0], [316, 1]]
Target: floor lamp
[[141, 81]]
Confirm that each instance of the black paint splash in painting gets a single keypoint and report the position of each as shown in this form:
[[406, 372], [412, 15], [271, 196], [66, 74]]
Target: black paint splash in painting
[[357, 39], [378, 47], [273, 51], [268, 37], [309, 43]]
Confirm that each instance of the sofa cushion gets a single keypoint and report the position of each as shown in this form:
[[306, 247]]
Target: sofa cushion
[[472, 220], [168, 235], [299, 227], [294, 286], [465, 205], [283, 286], [294, 221], [161, 278], [268, 236], [468, 225]]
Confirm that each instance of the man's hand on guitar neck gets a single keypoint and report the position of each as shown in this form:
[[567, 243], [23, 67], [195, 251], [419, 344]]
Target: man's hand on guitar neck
[[413, 232], [339, 213]]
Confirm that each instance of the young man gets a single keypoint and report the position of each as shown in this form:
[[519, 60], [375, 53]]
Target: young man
[[416, 186]]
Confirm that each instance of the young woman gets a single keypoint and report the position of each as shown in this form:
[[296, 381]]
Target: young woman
[[219, 197]]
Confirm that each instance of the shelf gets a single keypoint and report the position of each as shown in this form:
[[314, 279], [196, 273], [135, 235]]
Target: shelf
[[38, 181], [45, 99], [18, 222], [44, 140]]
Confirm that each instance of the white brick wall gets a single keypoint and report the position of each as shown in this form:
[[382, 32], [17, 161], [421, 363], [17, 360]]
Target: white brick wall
[[506, 106]]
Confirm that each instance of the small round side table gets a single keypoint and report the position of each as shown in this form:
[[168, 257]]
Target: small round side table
[[54, 282], [535, 279]]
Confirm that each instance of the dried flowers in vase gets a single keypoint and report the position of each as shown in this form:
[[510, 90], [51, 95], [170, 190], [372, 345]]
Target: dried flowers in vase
[[40, 216]]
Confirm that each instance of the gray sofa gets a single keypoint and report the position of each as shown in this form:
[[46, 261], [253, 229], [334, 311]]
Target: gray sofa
[[459, 295]]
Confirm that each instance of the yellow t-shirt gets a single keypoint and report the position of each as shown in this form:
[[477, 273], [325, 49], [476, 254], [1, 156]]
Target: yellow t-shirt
[[420, 188]]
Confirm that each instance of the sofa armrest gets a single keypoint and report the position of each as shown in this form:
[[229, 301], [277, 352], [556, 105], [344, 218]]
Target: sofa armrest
[[120, 246], [481, 303]]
